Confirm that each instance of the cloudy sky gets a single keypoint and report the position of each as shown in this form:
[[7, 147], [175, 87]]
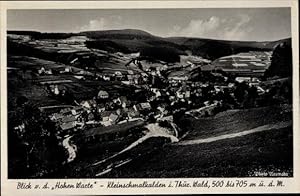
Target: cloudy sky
[[255, 24]]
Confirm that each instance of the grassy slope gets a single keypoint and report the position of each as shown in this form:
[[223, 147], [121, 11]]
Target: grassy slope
[[235, 121], [29, 87], [236, 157]]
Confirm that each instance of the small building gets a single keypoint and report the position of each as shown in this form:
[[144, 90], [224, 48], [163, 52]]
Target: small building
[[113, 118], [100, 108], [68, 69], [77, 110], [178, 78], [118, 73], [66, 119], [88, 104], [67, 126], [123, 101], [243, 79], [103, 94], [132, 113], [105, 115], [130, 72], [142, 106]]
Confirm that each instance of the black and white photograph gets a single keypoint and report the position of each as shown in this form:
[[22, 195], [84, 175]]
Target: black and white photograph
[[152, 93]]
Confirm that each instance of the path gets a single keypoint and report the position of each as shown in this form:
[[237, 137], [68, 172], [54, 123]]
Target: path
[[239, 134], [71, 148], [154, 131]]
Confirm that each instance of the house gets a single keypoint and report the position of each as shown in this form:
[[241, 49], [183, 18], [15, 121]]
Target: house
[[113, 118], [76, 110], [142, 106], [42, 70], [100, 108], [132, 113], [130, 79], [206, 110], [79, 77], [88, 104], [106, 123], [187, 94], [162, 107], [179, 94], [130, 72], [56, 116], [156, 91], [118, 73], [123, 101], [90, 117], [68, 126], [105, 115], [109, 118], [177, 78], [103, 94], [66, 119], [68, 69], [243, 79]]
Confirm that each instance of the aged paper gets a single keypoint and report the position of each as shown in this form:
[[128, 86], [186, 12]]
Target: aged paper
[[149, 97]]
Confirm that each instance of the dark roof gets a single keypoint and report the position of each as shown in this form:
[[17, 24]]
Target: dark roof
[[113, 128], [67, 126], [66, 119]]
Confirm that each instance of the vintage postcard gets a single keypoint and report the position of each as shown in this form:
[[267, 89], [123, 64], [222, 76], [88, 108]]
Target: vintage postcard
[[149, 97]]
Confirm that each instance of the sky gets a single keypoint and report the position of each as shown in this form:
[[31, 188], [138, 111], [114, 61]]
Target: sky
[[244, 24]]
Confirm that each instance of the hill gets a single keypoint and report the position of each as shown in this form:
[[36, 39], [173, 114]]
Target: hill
[[213, 49], [263, 151], [132, 40]]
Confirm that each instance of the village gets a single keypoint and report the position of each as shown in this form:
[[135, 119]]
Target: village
[[95, 97], [157, 94]]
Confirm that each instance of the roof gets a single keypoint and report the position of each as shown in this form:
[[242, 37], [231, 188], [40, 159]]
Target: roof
[[58, 115], [102, 93], [67, 126], [132, 113], [105, 113], [113, 128], [100, 105], [145, 105], [66, 119], [130, 72], [207, 68], [77, 108], [123, 98], [113, 117]]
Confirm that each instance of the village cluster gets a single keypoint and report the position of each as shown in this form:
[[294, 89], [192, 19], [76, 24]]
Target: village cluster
[[159, 98], [194, 86]]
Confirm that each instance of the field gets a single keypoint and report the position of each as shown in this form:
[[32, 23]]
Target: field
[[252, 61], [266, 151], [23, 81]]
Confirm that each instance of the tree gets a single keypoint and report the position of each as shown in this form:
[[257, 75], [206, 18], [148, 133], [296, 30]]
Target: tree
[[281, 61], [240, 92], [33, 146]]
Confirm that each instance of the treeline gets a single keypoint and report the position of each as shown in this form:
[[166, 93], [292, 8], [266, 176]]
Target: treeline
[[33, 148], [281, 62], [38, 35]]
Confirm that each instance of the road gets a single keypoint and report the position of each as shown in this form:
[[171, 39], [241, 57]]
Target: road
[[268, 127]]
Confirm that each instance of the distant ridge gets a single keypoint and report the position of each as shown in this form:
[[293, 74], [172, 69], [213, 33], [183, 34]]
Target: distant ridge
[[134, 40]]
